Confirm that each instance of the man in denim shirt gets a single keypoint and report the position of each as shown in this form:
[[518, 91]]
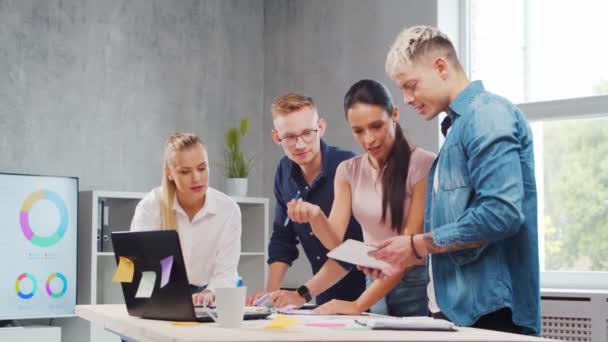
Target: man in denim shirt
[[481, 212], [308, 171]]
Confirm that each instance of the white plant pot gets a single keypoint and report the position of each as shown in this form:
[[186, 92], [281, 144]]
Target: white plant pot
[[236, 187]]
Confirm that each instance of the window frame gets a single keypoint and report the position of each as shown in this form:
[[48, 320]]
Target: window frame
[[569, 108]]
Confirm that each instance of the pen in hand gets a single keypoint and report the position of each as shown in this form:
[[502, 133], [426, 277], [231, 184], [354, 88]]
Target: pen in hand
[[261, 299], [296, 197]]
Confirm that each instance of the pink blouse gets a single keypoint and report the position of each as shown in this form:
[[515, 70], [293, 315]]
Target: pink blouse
[[366, 189]]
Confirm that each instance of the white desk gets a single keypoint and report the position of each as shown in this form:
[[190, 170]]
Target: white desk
[[116, 319]]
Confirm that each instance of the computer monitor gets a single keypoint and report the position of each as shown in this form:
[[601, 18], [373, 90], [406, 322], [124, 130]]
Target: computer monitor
[[39, 216]]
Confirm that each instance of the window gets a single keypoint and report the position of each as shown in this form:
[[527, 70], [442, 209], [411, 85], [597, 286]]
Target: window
[[549, 57], [539, 50], [572, 182]]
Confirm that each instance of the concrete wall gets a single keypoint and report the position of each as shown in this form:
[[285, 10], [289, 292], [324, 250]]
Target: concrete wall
[[321, 48], [93, 88]]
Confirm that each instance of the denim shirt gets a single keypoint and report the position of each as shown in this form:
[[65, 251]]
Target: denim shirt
[[284, 240], [486, 193]]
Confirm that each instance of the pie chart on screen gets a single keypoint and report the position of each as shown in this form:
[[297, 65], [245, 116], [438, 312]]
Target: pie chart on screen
[[64, 285], [24, 294], [26, 210]]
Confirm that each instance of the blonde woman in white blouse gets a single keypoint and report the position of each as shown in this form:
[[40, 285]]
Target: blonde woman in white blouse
[[207, 221]]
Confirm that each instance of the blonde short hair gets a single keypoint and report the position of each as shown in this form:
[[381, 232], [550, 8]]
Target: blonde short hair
[[415, 42], [290, 103]]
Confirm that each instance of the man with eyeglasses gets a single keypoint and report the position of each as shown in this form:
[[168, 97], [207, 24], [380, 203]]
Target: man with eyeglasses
[[307, 171]]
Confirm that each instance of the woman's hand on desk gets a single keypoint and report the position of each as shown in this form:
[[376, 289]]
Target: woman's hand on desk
[[339, 307], [302, 212], [282, 298], [204, 298]]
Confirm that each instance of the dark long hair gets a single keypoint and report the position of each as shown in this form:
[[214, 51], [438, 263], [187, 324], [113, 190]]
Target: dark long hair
[[395, 172]]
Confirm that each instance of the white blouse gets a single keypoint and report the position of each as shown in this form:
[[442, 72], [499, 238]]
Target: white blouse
[[211, 243]]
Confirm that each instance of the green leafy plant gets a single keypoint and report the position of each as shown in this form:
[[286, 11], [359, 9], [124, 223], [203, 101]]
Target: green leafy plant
[[236, 165]]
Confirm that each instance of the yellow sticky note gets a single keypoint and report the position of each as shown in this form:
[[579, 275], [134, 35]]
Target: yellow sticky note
[[185, 324], [282, 322], [124, 271]]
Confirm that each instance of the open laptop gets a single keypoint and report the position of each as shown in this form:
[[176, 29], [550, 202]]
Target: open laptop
[[173, 301]]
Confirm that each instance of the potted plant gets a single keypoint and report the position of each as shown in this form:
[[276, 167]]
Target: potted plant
[[236, 166]]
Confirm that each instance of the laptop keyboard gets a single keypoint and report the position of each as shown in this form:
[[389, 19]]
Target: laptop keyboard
[[199, 311]]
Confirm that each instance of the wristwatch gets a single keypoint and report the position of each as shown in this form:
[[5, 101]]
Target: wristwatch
[[304, 293]]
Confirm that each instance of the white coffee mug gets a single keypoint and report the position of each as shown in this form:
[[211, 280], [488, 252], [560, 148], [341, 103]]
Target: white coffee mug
[[229, 306]]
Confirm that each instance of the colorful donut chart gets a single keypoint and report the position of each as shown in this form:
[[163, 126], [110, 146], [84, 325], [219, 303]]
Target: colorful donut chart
[[63, 288], [43, 241], [18, 285]]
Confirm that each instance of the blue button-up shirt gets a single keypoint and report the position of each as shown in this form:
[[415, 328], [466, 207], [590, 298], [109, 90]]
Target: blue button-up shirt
[[288, 181], [487, 193]]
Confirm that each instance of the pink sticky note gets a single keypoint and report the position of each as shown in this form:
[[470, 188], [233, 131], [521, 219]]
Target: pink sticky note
[[326, 324], [166, 264]]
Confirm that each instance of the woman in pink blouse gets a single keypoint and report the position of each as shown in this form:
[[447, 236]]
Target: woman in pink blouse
[[384, 189]]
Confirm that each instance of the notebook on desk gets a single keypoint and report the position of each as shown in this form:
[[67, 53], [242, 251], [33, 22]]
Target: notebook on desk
[[407, 323], [170, 297]]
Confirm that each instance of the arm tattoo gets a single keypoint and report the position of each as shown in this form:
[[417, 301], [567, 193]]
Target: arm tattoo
[[432, 248]]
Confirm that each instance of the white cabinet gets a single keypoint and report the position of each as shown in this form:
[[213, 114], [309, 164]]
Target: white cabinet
[[31, 334], [111, 211]]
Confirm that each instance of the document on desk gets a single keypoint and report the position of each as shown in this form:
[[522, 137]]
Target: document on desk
[[407, 323], [298, 312], [355, 252]]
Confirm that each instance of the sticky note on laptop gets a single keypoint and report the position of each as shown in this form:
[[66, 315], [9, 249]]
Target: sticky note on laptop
[[146, 285], [355, 252], [124, 271], [165, 265]]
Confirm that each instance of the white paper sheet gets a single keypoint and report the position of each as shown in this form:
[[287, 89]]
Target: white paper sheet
[[355, 252], [298, 312]]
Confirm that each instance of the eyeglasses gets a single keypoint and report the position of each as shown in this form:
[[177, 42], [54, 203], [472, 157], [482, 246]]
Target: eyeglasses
[[307, 137]]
